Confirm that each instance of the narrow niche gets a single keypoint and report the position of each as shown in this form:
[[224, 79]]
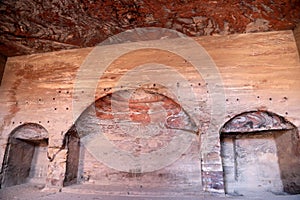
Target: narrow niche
[[72, 142]]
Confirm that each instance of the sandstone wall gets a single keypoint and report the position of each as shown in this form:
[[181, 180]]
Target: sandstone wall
[[258, 71]]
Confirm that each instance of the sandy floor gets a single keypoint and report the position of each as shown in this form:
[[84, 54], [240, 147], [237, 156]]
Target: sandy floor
[[34, 191]]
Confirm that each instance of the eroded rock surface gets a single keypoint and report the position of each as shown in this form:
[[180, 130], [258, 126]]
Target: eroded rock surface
[[28, 26]]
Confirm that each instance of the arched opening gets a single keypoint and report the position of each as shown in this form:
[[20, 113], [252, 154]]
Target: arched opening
[[25, 156], [127, 143], [260, 153]]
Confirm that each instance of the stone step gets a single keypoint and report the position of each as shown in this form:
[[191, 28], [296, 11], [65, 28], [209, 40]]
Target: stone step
[[132, 190]]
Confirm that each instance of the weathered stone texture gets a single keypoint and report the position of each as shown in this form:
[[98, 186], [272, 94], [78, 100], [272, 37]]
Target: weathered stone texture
[[40, 89], [297, 37], [27, 26], [256, 121], [289, 144], [261, 161], [25, 157], [2, 66]]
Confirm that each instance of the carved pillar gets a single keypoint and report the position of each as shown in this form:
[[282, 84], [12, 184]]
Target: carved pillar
[[212, 172], [57, 155]]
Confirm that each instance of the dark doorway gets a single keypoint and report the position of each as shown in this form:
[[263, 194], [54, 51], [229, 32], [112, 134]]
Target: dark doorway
[[73, 145]]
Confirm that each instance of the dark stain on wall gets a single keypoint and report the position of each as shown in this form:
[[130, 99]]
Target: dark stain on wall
[[2, 66]]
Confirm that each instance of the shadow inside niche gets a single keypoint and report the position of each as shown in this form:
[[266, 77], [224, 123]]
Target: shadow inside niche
[[288, 151]]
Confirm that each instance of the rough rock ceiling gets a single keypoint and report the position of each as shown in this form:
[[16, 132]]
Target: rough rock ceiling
[[33, 26]]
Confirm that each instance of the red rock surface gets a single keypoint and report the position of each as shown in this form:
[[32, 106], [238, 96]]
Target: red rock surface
[[28, 26]]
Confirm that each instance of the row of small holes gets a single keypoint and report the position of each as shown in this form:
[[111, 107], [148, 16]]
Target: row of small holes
[[39, 122], [66, 108], [270, 99], [285, 98], [67, 92]]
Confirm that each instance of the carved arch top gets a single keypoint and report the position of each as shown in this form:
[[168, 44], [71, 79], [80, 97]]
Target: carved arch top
[[131, 107], [30, 131], [256, 121]]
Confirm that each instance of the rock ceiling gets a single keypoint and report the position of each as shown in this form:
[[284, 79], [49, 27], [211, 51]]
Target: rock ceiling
[[33, 26]]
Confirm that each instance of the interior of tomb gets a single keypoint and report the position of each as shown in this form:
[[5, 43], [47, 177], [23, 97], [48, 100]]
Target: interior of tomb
[[170, 137]]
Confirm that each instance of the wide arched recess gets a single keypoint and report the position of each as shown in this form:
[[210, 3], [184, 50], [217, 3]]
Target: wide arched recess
[[134, 124], [25, 156], [260, 153]]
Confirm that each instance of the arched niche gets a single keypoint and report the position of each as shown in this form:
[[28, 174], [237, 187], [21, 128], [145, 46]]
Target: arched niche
[[260, 153], [140, 122], [25, 156]]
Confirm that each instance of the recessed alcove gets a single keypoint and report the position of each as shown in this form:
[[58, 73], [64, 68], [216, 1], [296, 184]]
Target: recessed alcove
[[25, 158], [151, 130], [260, 153]]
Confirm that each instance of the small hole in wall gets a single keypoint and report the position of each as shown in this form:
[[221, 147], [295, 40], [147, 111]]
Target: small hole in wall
[[13, 122], [286, 113], [82, 91], [40, 99], [270, 99], [48, 122], [55, 108], [285, 98], [227, 100], [258, 97], [20, 122], [67, 92], [53, 99], [59, 91], [237, 99], [40, 122], [67, 108], [154, 85], [199, 84]]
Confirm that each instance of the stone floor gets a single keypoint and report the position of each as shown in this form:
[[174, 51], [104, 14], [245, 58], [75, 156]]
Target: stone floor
[[31, 191]]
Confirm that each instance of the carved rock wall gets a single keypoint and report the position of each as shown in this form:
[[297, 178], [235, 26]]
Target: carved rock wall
[[140, 124], [39, 88], [2, 66], [263, 161]]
